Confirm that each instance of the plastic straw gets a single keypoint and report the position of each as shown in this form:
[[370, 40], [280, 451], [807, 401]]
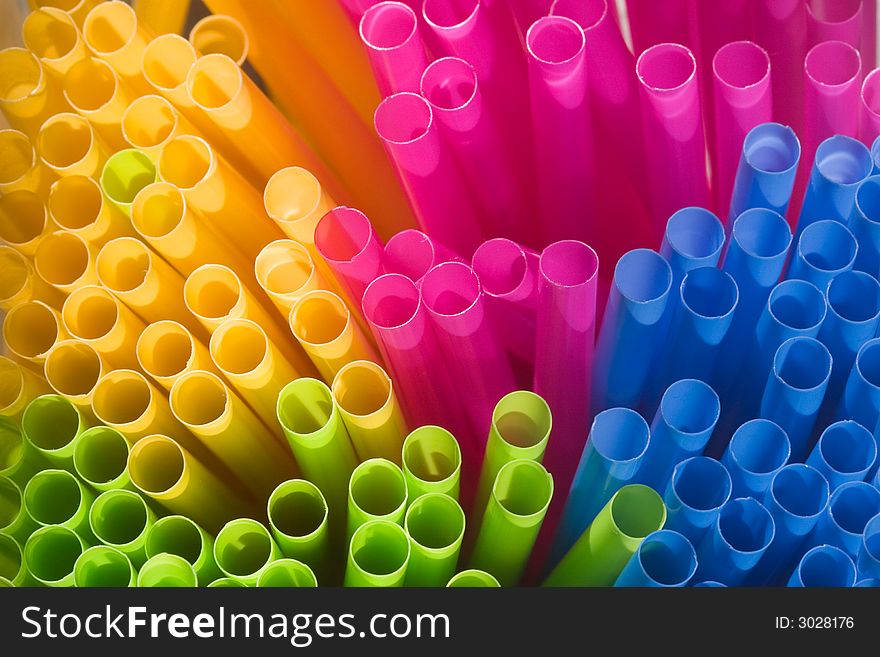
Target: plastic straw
[[287, 573], [51, 553], [694, 238], [125, 174], [121, 519], [378, 555], [843, 522], [23, 223], [376, 491], [20, 168], [30, 330], [696, 492], [100, 459], [413, 253], [13, 567], [73, 369], [243, 548], [65, 261], [861, 395], [180, 536], [664, 559], [150, 122], [845, 451], [825, 249], [863, 222], [51, 425], [824, 566], [77, 205], [868, 560], [298, 519], [435, 525], [17, 279], [104, 567], [92, 87], [220, 34], [472, 578], [166, 350], [755, 453], [431, 460], [111, 31], [167, 571], [512, 520], [56, 497], [161, 16], [348, 243], [869, 115], [286, 271], [15, 520], [18, 387], [67, 145], [166, 60], [364, 394], [829, 21], [395, 48], [29, 96]]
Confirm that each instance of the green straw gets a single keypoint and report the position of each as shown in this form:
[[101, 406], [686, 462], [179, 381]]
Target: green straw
[[100, 458], [18, 459], [51, 423], [5, 583], [376, 491], [602, 551], [226, 583], [105, 567], [12, 563], [287, 573], [51, 553], [243, 548], [168, 571], [122, 519], [14, 519], [181, 536], [431, 462], [378, 555], [472, 579], [435, 525], [520, 427], [512, 520], [56, 497], [125, 174], [298, 519]]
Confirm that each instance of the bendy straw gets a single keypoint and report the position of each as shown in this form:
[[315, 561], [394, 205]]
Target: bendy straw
[[472, 578], [77, 204], [350, 246], [18, 387], [243, 548], [51, 424], [287, 573], [396, 50], [103, 566], [298, 516], [824, 566], [860, 400], [68, 145], [698, 489], [435, 525], [56, 497], [825, 249], [664, 559], [122, 519], [864, 223], [24, 222], [843, 521], [378, 555], [180, 536], [100, 459], [846, 451], [167, 571], [376, 491], [166, 350], [30, 330], [15, 520], [755, 453], [73, 369], [431, 460], [51, 553]]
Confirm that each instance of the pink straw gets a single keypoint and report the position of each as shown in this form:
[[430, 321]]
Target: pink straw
[[652, 22], [390, 31], [742, 100], [869, 35], [411, 253], [347, 241], [527, 12], [672, 125], [869, 123], [834, 20], [437, 192], [357, 8]]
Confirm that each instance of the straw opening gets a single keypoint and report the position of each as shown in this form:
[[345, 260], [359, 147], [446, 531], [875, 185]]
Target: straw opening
[[11, 558], [167, 570], [362, 388], [239, 346], [871, 93], [403, 118], [177, 535], [51, 553], [166, 61], [10, 502], [222, 35], [449, 84], [741, 64], [848, 447], [377, 487], [569, 263], [797, 304], [297, 509], [522, 419], [802, 363], [64, 140], [101, 455], [125, 174], [149, 122], [800, 490], [243, 547], [868, 199], [292, 194], [30, 329], [73, 368], [523, 488], [156, 464], [118, 517], [435, 521], [701, 483], [853, 505], [760, 447], [50, 422], [214, 81], [555, 40], [75, 202], [212, 291], [643, 276], [62, 258], [14, 273], [668, 558], [501, 266], [854, 296], [826, 566], [762, 233], [52, 497], [102, 566], [342, 234], [586, 13], [165, 349], [21, 74], [379, 548], [450, 289], [388, 25], [305, 406], [637, 511], [709, 292], [185, 161], [90, 84], [772, 148], [666, 67], [391, 301], [109, 27], [838, 11], [832, 63], [123, 264], [122, 397], [22, 217], [695, 233], [19, 156], [620, 435], [284, 267], [11, 388], [409, 253], [448, 15], [431, 454], [843, 160], [868, 362], [746, 525], [319, 317], [199, 399], [90, 313], [690, 406], [827, 245]]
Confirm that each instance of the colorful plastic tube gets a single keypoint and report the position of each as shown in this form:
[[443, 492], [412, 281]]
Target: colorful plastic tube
[[868, 559], [766, 172], [166, 61], [843, 522], [104, 567], [166, 350], [846, 451], [378, 555], [18, 387], [664, 559], [861, 395], [122, 519], [56, 497], [825, 249], [51, 424], [23, 223], [612, 458], [13, 567], [431, 460], [285, 271], [694, 238], [824, 566], [828, 21], [93, 88], [869, 116], [348, 243], [364, 394], [77, 205], [756, 452], [287, 573], [51, 553], [67, 145], [603, 550], [73, 369], [167, 571], [864, 223], [220, 34], [150, 122], [180, 536], [17, 280], [390, 32], [243, 548], [112, 32], [100, 459], [15, 521], [512, 520], [376, 491], [125, 173], [20, 167], [413, 253], [435, 525], [298, 519], [472, 579], [30, 330], [29, 97], [65, 261]]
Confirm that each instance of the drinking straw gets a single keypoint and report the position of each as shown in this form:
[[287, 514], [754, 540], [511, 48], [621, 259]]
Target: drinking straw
[[755, 453], [17, 278], [243, 548], [56, 497], [378, 555], [165, 61], [312, 425], [612, 458], [166, 350], [364, 394], [682, 426], [664, 559], [29, 95], [66, 144], [431, 460], [13, 567], [413, 253], [23, 222], [650, 24], [863, 222], [30, 330], [471, 579], [436, 190], [125, 174], [824, 566], [73, 369], [285, 271], [298, 519], [104, 567], [162, 16], [868, 560], [93, 88], [77, 205], [348, 243], [376, 491], [845, 451], [694, 238], [603, 550], [100, 459], [435, 525], [766, 172], [150, 122], [20, 167], [180, 536], [226, 583], [287, 573], [395, 48], [672, 126], [165, 472], [111, 31], [327, 331], [512, 520], [834, 21], [18, 386], [845, 518], [561, 129], [65, 261], [825, 249], [860, 400], [51, 553], [220, 34], [698, 489], [122, 519], [869, 115], [51, 424], [167, 571], [15, 520]]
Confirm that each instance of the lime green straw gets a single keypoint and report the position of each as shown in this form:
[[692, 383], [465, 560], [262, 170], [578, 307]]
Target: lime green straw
[[100, 458], [51, 423], [5, 583], [18, 459], [243, 548], [51, 553], [435, 525], [125, 174], [12, 563], [14, 518], [431, 462], [298, 519], [103, 566], [287, 573], [602, 551], [226, 583], [56, 497], [512, 519], [181, 536], [378, 555], [472, 579], [376, 491], [122, 519], [520, 427], [167, 570]]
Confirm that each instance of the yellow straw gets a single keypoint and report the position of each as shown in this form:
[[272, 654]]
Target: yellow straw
[[77, 205], [65, 261], [150, 122], [166, 350], [31, 329], [27, 94], [285, 271], [23, 221], [18, 387], [94, 89], [20, 168], [220, 34], [162, 16], [68, 146], [73, 369], [78, 9], [111, 32], [52, 35], [95, 316], [166, 61], [19, 282]]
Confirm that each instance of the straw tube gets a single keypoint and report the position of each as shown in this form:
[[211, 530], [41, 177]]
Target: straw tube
[[220, 34], [18, 387], [103, 566], [29, 96], [431, 460], [824, 566], [869, 117], [243, 548], [350, 246], [846, 451], [30, 330], [166, 350], [112, 32], [77, 205], [861, 395], [126, 173], [65, 261], [122, 519], [166, 60], [167, 571], [756, 452], [694, 238], [67, 145], [472, 578], [51, 425], [285, 271], [56, 497], [378, 555], [298, 519], [150, 122], [17, 279], [413, 253], [15, 521], [13, 567], [51, 553], [664, 559], [868, 559], [825, 249], [696, 492], [100, 459], [435, 525], [287, 573], [93, 88], [20, 168], [395, 48], [73, 369], [180, 536], [864, 223], [23, 222], [843, 522], [376, 491]]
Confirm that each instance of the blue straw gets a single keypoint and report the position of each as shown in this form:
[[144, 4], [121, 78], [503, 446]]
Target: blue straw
[[694, 238], [709, 584], [696, 492], [864, 222], [664, 559], [860, 400], [875, 155], [736, 542], [867, 584], [869, 551], [612, 458], [846, 451], [758, 450], [631, 330], [766, 172], [824, 566], [842, 524], [825, 249]]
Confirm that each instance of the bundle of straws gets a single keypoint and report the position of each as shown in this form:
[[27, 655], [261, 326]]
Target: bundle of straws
[[388, 369]]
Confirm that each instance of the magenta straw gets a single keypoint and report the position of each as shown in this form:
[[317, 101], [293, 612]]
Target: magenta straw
[[561, 127], [436, 190], [834, 20], [869, 35], [654, 22], [450, 85], [347, 241], [412, 253], [390, 32], [672, 125], [869, 119], [742, 99], [357, 8]]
